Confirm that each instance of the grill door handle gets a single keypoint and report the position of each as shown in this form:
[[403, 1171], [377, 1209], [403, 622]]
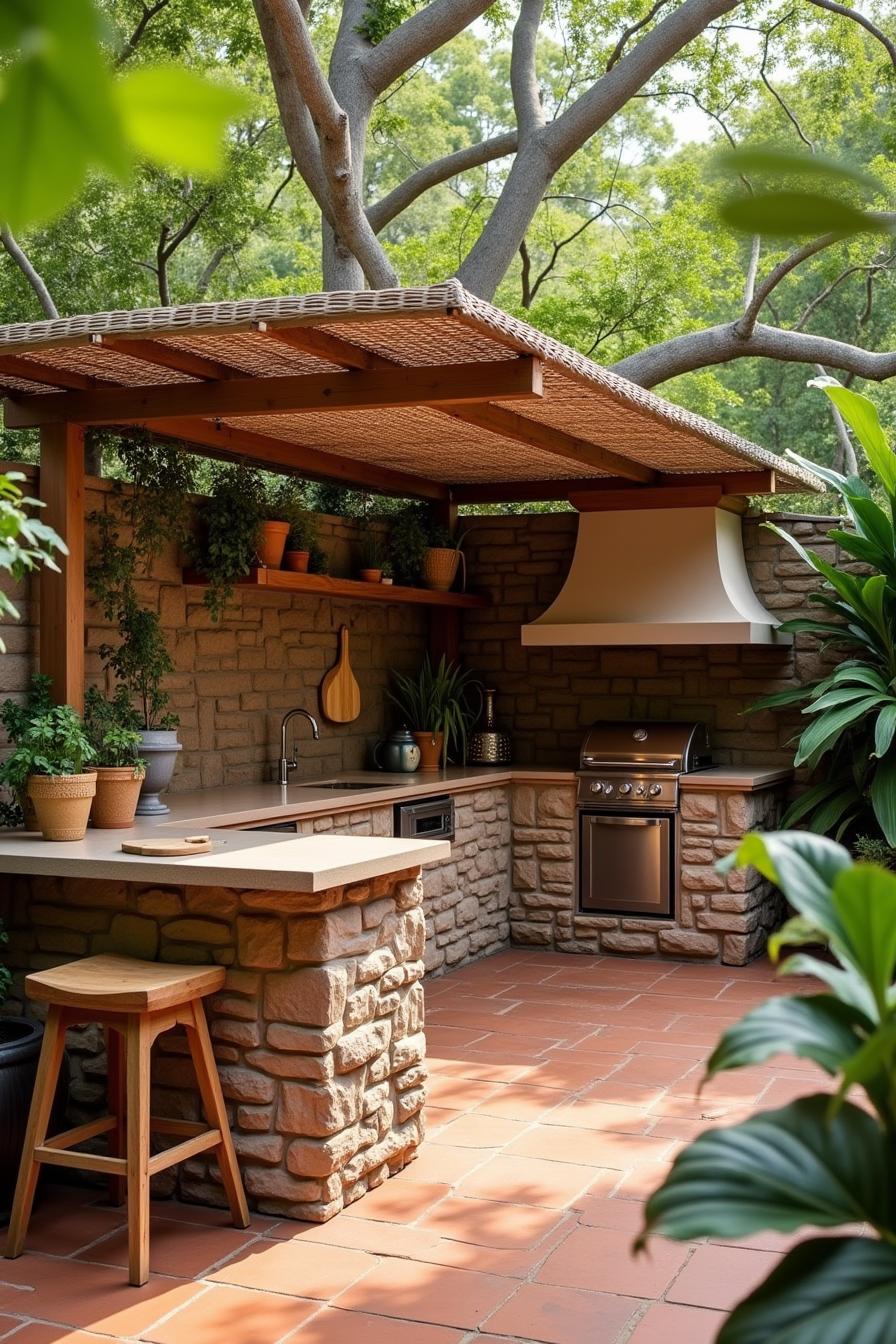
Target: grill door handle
[[627, 821]]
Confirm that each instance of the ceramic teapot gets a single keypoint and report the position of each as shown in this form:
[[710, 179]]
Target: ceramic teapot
[[398, 753]]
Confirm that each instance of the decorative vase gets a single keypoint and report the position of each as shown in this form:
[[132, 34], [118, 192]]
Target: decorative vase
[[430, 745], [159, 748], [20, 1042], [297, 561], [117, 791], [440, 564], [62, 804], [272, 543], [370, 575], [489, 746]]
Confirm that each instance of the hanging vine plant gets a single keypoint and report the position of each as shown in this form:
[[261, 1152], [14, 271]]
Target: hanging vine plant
[[230, 521]]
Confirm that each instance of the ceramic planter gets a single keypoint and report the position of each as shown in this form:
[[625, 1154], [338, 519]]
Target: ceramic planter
[[297, 561], [158, 748], [430, 745], [370, 575], [440, 567], [20, 1042], [62, 804], [117, 791], [272, 543]]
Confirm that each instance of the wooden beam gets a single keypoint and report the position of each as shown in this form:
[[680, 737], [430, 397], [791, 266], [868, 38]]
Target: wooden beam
[[228, 441], [664, 497], [170, 357], [293, 394], [512, 492], [323, 345], [19, 366], [62, 594]]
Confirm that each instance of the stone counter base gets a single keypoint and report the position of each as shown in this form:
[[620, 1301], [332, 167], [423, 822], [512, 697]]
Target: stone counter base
[[717, 918], [318, 1032]]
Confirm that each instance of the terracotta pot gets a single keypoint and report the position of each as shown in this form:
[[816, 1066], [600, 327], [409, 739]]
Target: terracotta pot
[[117, 791], [430, 745], [440, 567], [370, 575], [272, 543], [62, 804], [297, 561]]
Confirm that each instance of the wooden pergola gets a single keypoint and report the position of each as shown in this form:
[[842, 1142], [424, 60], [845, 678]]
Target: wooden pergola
[[425, 393]]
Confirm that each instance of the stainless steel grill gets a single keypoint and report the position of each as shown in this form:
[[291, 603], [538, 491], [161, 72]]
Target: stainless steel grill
[[627, 812]]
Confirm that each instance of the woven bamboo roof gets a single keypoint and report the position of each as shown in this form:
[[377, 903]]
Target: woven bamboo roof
[[577, 422]]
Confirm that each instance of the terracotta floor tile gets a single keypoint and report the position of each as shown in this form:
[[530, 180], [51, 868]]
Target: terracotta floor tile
[[652, 1069], [482, 1259], [359, 1234], [302, 1268], [599, 1148], [521, 1180], [234, 1315], [460, 1094], [432, 1294], [486, 1222], [719, 1276], [200, 1213], [58, 1334], [60, 1228], [480, 1131], [667, 1324], [489, 1066], [620, 1093], [437, 1116], [626, 1215], [595, 1114], [396, 1201], [640, 1182], [439, 1164], [335, 1326], [522, 1101], [600, 1258], [86, 1296], [562, 1315], [8, 1323], [570, 1074], [185, 1250]]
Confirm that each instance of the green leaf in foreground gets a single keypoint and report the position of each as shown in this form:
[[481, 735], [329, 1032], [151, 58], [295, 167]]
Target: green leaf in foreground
[[820, 168], [830, 1290], [779, 1169], [175, 116], [816, 1027], [794, 214]]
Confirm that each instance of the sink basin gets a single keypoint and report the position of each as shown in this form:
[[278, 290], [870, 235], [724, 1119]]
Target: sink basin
[[344, 784]]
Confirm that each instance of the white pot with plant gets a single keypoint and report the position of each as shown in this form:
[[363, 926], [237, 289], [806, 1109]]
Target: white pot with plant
[[120, 771], [50, 764]]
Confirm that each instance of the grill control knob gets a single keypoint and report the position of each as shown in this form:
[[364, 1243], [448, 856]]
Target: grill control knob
[[597, 788], [640, 790], [625, 789], [608, 788], [654, 790]]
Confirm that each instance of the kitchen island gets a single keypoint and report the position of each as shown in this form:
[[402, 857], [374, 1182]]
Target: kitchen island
[[318, 1030]]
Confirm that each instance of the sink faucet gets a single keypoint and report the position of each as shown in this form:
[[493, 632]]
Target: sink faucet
[[285, 764]]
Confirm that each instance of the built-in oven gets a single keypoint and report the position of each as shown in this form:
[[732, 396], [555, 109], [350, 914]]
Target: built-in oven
[[425, 818], [626, 863]]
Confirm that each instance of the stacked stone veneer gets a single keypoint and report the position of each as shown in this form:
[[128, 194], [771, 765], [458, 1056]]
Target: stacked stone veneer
[[717, 917], [318, 1032], [466, 898]]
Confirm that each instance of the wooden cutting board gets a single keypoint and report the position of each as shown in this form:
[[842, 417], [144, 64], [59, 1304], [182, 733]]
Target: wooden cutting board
[[169, 849], [340, 696]]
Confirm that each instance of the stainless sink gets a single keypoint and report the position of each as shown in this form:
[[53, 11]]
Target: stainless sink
[[343, 784]]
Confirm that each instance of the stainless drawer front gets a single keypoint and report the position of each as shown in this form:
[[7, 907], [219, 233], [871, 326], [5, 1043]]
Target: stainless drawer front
[[625, 864], [428, 819]]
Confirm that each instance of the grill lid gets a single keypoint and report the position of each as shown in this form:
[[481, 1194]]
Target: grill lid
[[672, 748]]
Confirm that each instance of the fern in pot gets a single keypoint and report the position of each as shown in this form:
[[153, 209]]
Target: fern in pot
[[436, 703], [50, 764], [114, 735]]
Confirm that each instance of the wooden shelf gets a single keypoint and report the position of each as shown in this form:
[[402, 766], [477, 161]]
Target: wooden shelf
[[353, 590]]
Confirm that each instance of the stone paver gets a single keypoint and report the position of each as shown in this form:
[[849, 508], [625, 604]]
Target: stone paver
[[561, 1088]]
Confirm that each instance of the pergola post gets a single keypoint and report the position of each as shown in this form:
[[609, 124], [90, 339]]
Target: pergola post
[[62, 594]]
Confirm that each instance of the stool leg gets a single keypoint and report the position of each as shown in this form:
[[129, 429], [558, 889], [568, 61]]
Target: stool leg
[[38, 1119], [216, 1112], [116, 1098], [137, 1047]]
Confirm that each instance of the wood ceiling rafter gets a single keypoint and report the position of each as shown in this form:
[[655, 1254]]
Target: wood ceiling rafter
[[401, 386], [19, 366], [495, 419], [527, 492], [169, 357]]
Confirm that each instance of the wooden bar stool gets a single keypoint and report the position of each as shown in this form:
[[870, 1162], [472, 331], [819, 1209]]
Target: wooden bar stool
[[135, 1001]]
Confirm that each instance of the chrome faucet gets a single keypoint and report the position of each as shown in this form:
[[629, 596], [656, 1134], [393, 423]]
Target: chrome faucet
[[285, 764]]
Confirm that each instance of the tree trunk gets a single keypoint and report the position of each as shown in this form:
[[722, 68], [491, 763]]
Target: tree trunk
[[341, 270]]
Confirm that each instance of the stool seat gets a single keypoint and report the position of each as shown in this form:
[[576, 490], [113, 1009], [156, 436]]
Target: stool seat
[[123, 984], [136, 1001]]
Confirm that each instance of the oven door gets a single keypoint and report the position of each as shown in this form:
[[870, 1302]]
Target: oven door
[[626, 863]]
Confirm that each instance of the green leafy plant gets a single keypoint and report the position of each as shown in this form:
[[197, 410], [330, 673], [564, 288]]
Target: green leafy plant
[[284, 499], [25, 542], [318, 560], [230, 519], [16, 717], [370, 548], [822, 1160], [408, 540], [141, 662], [871, 849], [438, 700], [112, 727], [852, 710], [302, 531], [54, 743]]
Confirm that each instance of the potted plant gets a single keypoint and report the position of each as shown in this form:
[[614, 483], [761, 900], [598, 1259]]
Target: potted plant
[[140, 663], [369, 556], [20, 1042], [230, 522], [408, 540], [15, 717], [387, 572], [49, 764], [301, 538], [283, 503], [436, 702], [112, 729], [441, 559]]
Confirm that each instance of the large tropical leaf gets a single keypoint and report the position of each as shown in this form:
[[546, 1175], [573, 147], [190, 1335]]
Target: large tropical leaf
[[865, 900], [830, 1290], [779, 1169], [817, 1027], [845, 982], [884, 730], [821, 735], [883, 796], [803, 865], [860, 414]]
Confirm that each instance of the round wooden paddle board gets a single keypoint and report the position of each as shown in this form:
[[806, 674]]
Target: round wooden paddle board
[[340, 696], [169, 849]]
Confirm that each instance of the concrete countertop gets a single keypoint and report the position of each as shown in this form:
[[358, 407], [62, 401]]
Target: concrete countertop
[[737, 778]]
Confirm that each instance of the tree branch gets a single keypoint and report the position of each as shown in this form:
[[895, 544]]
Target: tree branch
[[523, 71], [433, 174], [133, 42], [630, 32], [845, 461], [418, 37], [776, 275], [30, 272], [858, 17]]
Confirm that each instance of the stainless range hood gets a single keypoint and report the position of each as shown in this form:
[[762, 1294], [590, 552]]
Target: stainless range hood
[[657, 576]]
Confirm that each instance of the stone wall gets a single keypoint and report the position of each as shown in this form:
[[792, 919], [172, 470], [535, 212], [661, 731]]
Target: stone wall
[[318, 1031], [547, 696], [234, 680], [717, 917]]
